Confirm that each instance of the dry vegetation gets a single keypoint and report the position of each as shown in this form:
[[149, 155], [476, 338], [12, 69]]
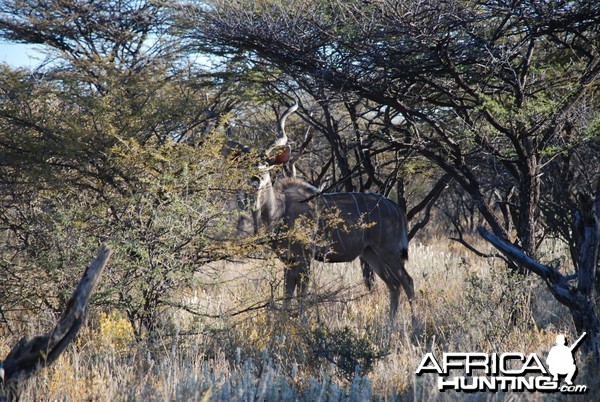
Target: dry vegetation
[[341, 348], [490, 108]]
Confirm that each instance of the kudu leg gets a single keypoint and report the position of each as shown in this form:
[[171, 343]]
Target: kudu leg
[[303, 279], [391, 270], [290, 281], [296, 280], [396, 267], [381, 270], [406, 281]]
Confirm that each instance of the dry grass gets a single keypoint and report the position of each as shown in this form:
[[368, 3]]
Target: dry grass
[[464, 304]]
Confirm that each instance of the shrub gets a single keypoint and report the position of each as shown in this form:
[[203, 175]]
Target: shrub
[[353, 354]]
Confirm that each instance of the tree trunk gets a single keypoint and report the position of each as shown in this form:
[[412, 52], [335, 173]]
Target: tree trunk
[[584, 313], [528, 204]]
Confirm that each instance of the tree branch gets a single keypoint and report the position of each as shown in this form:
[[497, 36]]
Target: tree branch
[[432, 197], [546, 272]]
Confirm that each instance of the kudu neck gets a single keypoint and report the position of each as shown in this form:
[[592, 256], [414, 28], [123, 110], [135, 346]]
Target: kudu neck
[[269, 202]]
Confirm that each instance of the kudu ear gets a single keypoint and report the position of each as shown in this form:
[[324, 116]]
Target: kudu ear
[[279, 155]]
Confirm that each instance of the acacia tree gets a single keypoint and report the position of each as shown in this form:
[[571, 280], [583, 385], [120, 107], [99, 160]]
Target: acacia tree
[[502, 96], [115, 139]]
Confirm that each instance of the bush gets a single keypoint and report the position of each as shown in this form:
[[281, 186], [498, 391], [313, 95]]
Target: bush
[[353, 354]]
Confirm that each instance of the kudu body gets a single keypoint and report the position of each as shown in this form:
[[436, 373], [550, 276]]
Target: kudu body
[[334, 227]]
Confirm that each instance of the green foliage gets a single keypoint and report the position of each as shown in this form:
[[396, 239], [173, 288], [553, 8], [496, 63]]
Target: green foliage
[[169, 223]]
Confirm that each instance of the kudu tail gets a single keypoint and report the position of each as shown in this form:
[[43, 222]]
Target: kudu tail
[[403, 236], [368, 275]]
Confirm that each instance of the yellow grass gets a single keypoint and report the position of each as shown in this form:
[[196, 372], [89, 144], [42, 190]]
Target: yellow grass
[[465, 304]]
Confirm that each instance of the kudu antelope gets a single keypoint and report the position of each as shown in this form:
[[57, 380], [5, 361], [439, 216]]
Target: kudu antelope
[[345, 226]]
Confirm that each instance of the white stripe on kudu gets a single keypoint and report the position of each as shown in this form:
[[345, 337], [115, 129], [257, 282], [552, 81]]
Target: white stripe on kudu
[[359, 216], [355, 204]]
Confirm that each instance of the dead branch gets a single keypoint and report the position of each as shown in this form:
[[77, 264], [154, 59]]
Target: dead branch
[[579, 298], [548, 273], [28, 356]]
